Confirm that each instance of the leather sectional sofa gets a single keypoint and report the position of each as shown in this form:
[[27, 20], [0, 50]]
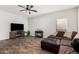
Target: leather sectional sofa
[[52, 42], [59, 42]]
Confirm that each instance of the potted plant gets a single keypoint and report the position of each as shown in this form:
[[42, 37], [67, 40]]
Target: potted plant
[[28, 33]]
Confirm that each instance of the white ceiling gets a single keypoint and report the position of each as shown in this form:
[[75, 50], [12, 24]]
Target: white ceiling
[[42, 9]]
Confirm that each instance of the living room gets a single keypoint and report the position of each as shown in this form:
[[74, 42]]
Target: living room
[[44, 18]]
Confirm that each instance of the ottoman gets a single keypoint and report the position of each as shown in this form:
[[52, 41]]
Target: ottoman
[[50, 44]]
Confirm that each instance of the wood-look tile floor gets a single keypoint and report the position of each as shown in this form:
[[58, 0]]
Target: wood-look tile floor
[[22, 45]]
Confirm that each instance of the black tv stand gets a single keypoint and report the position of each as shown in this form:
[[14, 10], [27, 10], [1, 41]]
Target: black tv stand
[[39, 33]]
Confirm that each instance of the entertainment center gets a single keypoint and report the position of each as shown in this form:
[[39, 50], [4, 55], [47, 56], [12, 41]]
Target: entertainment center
[[17, 30]]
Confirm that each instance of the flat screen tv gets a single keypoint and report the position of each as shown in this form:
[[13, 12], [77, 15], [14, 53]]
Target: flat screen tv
[[15, 27]]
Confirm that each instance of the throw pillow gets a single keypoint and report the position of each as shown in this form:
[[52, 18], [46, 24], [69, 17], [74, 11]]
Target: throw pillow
[[68, 35]]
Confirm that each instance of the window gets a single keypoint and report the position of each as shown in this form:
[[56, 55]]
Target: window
[[62, 24]]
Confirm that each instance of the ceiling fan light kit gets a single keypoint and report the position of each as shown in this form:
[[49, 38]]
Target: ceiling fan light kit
[[27, 8]]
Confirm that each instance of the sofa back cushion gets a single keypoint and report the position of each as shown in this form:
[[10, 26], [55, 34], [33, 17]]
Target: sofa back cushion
[[73, 34], [60, 34], [68, 35], [77, 36]]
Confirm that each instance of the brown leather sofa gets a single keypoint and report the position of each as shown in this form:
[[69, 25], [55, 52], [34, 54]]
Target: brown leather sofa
[[59, 42]]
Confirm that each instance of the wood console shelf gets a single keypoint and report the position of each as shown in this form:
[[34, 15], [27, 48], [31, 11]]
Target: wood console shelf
[[15, 34]]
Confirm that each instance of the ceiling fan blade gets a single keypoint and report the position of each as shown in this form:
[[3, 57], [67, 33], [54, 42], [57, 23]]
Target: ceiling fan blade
[[22, 10], [21, 6], [27, 6], [34, 10]]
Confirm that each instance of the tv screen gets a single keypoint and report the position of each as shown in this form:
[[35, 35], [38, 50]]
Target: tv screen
[[15, 27]]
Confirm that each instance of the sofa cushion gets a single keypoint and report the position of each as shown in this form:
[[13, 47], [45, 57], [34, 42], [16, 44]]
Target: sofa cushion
[[68, 35], [66, 42], [60, 34]]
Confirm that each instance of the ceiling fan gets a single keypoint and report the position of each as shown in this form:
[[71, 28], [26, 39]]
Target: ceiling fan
[[27, 8]]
